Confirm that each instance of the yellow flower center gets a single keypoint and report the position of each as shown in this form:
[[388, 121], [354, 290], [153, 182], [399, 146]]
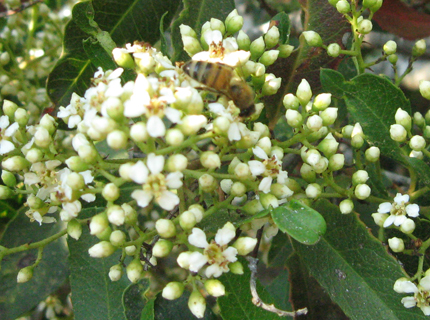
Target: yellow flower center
[[155, 184], [273, 167], [214, 254], [398, 209], [216, 50]]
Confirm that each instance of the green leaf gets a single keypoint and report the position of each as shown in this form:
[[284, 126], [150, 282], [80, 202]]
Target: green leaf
[[177, 309], [94, 295], [332, 81], [194, 14], [114, 22], [134, 300], [300, 221], [148, 311], [373, 101], [50, 274], [237, 303], [163, 41], [282, 21], [355, 269], [217, 220]]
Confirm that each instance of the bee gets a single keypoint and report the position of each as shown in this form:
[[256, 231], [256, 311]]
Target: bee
[[221, 78]]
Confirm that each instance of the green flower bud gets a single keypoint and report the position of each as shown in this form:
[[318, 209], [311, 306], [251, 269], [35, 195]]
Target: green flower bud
[[217, 24], [268, 201], [123, 58], [346, 206], [102, 249], [174, 137], [105, 234], [362, 191], [187, 220], [398, 133], [392, 58], [210, 160], [110, 192], [191, 45], [336, 162], [15, 164], [134, 270], [9, 109], [257, 48], [304, 92], [313, 190], [417, 143], [21, 116], [294, 118], [269, 57], [252, 207], [285, 50], [396, 244], [8, 178], [360, 176], [243, 41], [117, 139], [312, 38], [4, 58], [173, 290], [419, 48], [425, 91], [88, 154], [333, 50], [5, 192], [162, 248], [236, 267], [165, 228], [365, 26], [343, 6], [207, 183], [115, 272], [197, 304], [376, 6], [369, 3], [372, 154], [271, 38], [390, 47], [25, 274], [99, 223], [214, 287], [307, 173], [233, 22], [74, 229]]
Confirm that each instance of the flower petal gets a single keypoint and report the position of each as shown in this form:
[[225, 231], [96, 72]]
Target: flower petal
[[214, 270], [142, 197], [167, 200], [198, 238], [197, 261], [413, 210], [155, 163], [385, 207]]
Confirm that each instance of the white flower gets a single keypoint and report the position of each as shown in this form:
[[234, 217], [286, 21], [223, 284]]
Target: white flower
[[421, 293], [73, 112], [217, 253], [155, 184], [6, 132], [44, 175], [398, 210], [269, 168]]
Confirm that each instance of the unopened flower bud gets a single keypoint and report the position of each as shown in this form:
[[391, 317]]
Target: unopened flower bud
[[245, 245], [138, 132], [396, 244], [419, 48], [116, 215], [268, 201], [271, 85], [74, 229], [312, 38], [314, 123], [197, 304], [75, 181], [285, 50], [165, 228], [214, 287], [176, 162], [253, 207], [425, 89], [307, 173], [408, 226], [362, 191], [271, 38], [110, 192], [117, 139], [392, 58], [174, 137], [269, 57], [49, 123], [333, 50], [173, 290], [198, 211], [102, 249], [322, 101], [342, 6], [336, 162], [42, 138], [321, 165], [36, 155], [304, 92], [117, 238], [123, 58], [360, 176], [99, 223], [236, 267], [4, 58], [187, 220], [115, 272], [8, 178], [390, 47], [207, 183], [9, 108], [294, 118], [25, 274], [22, 117], [417, 143], [291, 101], [313, 190], [192, 123], [238, 189], [88, 154], [74, 163], [257, 48], [372, 154], [191, 45], [243, 41], [134, 270], [5, 193], [210, 160], [365, 26], [419, 120], [130, 250], [379, 218], [328, 145], [357, 141], [346, 206], [329, 116], [15, 164], [162, 248], [233, 22], [403, 118], [398, 133]]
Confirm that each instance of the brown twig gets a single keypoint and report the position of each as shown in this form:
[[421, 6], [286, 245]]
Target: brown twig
[[21, 8], [256, 300]]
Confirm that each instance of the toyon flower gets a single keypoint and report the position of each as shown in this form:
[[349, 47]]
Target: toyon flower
[[217, 254], [398, 210], [269, 168], [155, 185], [421, 292]]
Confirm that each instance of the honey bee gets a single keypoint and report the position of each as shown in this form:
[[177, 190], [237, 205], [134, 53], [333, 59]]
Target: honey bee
[[221, 78]]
